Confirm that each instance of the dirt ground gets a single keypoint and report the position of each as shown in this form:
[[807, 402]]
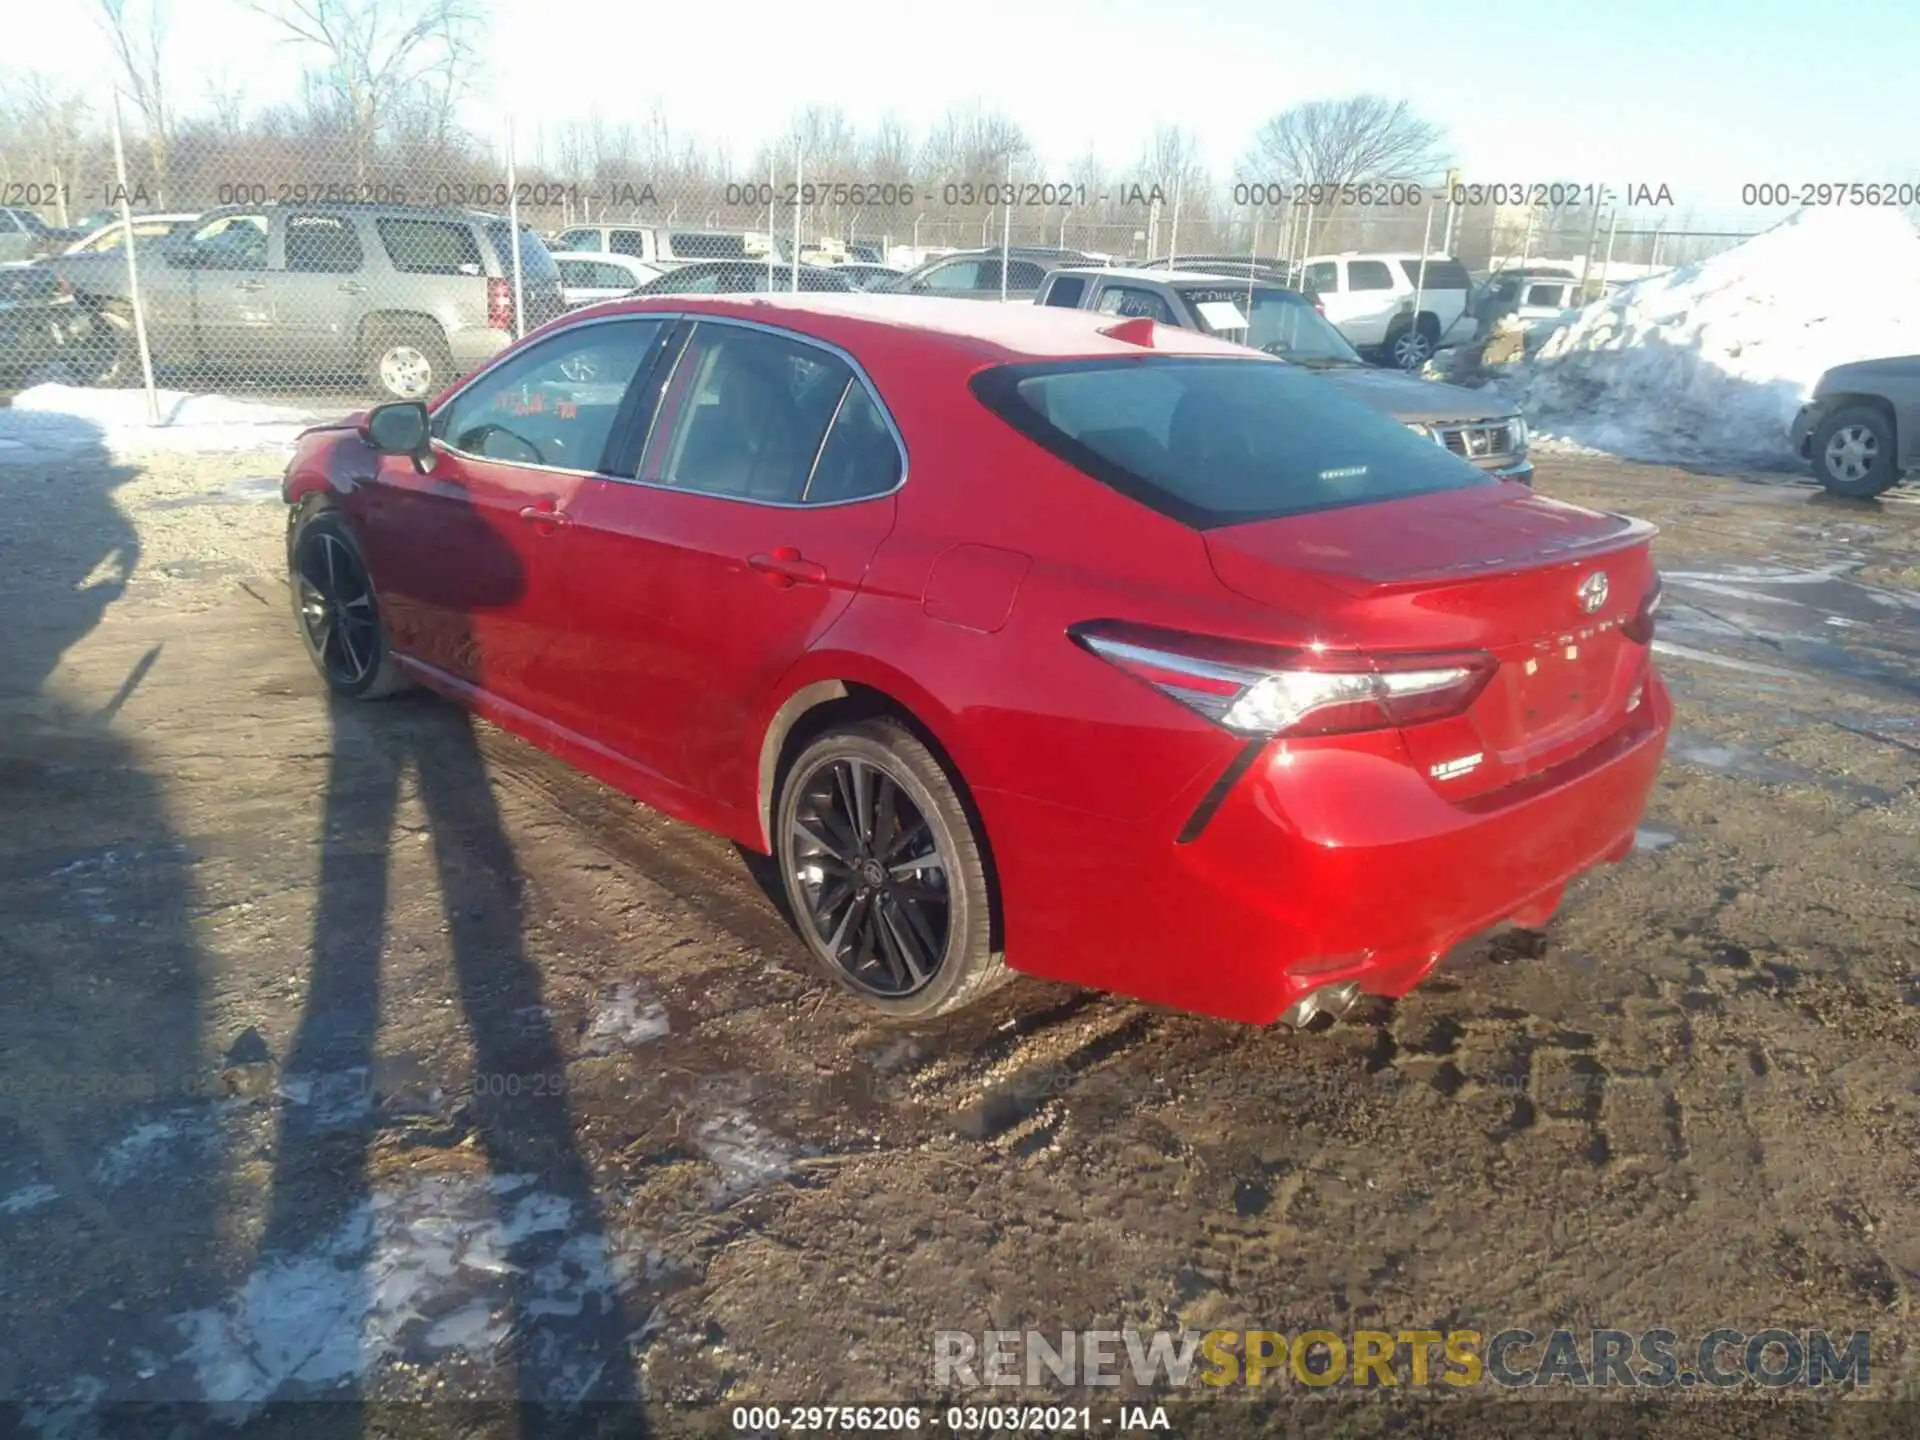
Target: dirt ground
[[366, 1052]]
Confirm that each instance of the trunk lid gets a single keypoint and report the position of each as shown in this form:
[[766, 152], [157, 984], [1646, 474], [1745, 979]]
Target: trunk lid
[[1498, 569]]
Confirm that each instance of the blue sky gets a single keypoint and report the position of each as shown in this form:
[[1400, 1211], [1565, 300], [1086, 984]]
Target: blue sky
[[1701, 95]]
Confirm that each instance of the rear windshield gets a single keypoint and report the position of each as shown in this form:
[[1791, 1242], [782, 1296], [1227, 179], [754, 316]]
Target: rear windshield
[[536, 261], [1219, 442]]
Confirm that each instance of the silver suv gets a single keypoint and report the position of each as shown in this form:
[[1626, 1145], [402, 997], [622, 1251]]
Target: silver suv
[[406, 297]]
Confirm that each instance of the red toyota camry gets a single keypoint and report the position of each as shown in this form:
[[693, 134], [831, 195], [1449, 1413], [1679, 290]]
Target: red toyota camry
[[1020, 637]]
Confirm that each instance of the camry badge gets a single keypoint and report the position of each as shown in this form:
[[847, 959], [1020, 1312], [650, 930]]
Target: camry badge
[[1593, 591]]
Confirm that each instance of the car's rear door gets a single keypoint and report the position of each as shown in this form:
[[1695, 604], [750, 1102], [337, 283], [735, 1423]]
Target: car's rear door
[[471, 559], [759, 491]]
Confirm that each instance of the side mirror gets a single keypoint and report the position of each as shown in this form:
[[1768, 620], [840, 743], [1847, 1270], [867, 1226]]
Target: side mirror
[[401, 429]]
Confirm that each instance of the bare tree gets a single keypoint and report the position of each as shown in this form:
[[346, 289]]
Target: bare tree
[[137, 36], [1345, 142], [45, 142], [383, 57]]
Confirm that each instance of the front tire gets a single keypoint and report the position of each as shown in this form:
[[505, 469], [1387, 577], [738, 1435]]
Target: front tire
[[883, 869], [335, 608], [1853, 453], [1411, 346], [407, 359]]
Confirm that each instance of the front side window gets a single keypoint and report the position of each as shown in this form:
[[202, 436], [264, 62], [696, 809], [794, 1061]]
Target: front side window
[[1281, 322], [956, 275], [553, 405], [1369, 275], [322, 244], [1219, 442], [232, 242], [578, 240], [1323, 277], [744, 415], [626, 242], [1548, 295], [1067, 291]]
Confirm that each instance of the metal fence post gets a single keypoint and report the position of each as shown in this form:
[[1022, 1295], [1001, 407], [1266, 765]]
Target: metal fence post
[[513, 232], [1006, 229], [133, 269], [799, 177]]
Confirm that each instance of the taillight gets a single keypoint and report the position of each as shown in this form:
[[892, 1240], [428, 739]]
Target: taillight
[[1640, 628], [500, 304], [1265, 691]]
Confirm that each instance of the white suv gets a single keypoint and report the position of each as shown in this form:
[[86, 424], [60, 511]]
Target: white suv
[[1370, 299]]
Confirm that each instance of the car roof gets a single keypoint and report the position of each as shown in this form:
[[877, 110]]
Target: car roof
[[1006, 334], [604, 256]]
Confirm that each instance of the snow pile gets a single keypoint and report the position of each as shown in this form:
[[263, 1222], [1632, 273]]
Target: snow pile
[[55, 421], [1710, 362]]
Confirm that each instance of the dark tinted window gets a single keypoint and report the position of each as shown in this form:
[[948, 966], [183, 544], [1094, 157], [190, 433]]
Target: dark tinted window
[[1024, 275], [1067, 291], [555, 403], [1323, 277], [579, 240], [1219, 442], [709, 247], [231, 242], [536, 261], [744, 415], [323, 244], [689, 280], [430, 247], [627, 242], [1368, 275], [860, 457], [1132, 300], [1441, 274], [1547, 295]]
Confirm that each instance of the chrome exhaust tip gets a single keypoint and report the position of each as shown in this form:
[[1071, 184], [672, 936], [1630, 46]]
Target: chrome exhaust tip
[[1332, 1000]]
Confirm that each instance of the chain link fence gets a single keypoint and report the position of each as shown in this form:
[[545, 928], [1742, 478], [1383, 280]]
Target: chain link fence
[[385, 256]]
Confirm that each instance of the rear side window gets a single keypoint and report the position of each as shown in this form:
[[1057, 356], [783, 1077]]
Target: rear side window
[[429, 247], [1219, 442], [744, 414], [322, 244], [1369, 275], [536, 261], [1441, 274], [1067, 291]]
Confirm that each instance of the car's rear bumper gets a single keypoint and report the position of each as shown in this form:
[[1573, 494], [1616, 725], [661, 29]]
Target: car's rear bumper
[[1319, 865]]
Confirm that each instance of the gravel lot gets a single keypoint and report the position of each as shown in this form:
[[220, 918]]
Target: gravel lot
[[366, 1050]]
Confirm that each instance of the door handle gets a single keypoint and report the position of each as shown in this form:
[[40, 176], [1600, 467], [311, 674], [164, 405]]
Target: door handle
[[353, 287], [784, 567], [544, 516]]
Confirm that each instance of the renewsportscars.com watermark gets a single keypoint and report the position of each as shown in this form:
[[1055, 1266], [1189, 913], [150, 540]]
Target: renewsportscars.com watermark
[[1512, 1359]]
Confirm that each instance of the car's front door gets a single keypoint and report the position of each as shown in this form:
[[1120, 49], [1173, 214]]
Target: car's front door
[[760, 492], [470, 559], [231, 305]]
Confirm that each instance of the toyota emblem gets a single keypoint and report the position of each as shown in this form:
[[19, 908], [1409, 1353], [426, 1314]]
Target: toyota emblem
[[1593, 591]]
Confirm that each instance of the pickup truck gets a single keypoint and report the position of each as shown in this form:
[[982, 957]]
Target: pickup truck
[[1287, 324]]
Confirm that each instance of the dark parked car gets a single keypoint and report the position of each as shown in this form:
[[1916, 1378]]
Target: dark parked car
[[23, 234], [738, 277], [42, 330], [1861, 430], [869, 277], [1019, 638], [975, 274], [408, 297]]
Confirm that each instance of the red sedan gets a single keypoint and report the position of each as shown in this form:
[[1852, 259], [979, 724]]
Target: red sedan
[[1020, 637]]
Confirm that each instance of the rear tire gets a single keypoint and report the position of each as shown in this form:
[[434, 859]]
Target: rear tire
[[406, 359], [884, 872], [335, 608], [1853, 454], [111, 356]]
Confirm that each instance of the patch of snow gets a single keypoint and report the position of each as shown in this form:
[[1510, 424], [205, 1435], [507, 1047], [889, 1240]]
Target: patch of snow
[[410, 1276], [28, 1197], [1709, 362], [622, 1019], [153, 1144], [748, 1156], [1647, 840], [56, 421]]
